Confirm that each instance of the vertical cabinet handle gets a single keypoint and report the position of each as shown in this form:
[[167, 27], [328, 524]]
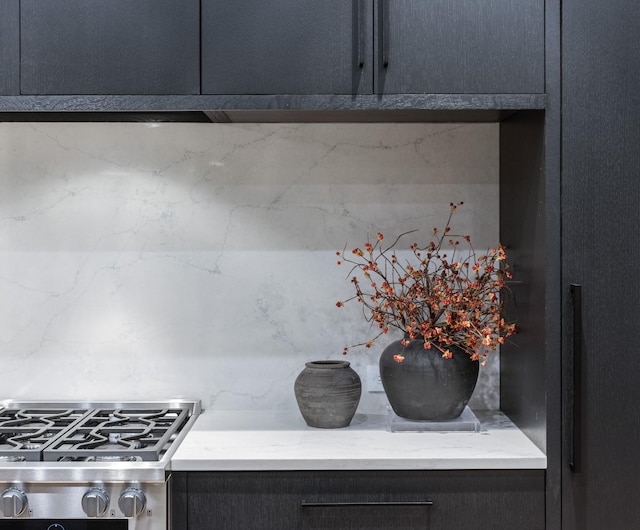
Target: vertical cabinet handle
[[361, 32], [575, 461], [383, 6]]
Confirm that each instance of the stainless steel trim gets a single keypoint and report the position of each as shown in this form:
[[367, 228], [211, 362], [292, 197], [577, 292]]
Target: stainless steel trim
[[194, 406], [70, 472]]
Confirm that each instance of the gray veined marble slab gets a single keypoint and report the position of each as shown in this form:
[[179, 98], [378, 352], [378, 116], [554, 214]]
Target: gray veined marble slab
[[263, 440], [142, 261]]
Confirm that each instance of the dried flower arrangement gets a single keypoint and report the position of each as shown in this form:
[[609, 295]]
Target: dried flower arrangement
[[442, 294]]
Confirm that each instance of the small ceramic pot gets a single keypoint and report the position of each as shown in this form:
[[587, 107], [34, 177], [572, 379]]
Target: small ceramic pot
[[328, 393]]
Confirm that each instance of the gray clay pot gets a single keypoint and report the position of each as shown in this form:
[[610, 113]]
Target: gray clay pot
[[328, 393]]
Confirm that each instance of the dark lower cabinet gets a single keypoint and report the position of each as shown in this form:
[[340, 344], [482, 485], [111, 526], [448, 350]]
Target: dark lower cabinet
[[600, 256], [110, 47], [9, 48], [433, 500]]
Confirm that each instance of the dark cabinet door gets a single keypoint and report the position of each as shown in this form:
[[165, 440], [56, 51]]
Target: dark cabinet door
[[287, 47], [462, 46], [365, 46], [109, 46], [601, 252], [341, 500], [9, 47]]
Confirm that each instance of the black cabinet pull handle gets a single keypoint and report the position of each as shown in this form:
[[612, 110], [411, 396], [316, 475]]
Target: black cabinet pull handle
[[575, 461], [384, 32], [306, 504], [361, 32]]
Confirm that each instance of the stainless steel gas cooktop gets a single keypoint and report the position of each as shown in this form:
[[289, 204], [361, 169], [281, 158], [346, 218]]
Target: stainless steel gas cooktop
[[63, 462], [78, 434]]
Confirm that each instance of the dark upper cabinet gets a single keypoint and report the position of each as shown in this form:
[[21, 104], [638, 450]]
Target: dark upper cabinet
[[372, 46], [462, 46], [96, 47], [287, 47], [109, 47], [9, 48]]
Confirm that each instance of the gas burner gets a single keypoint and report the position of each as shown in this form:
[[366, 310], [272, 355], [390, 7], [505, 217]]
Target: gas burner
[[12, 458], [113, 458], [123, 440], [101, 458]]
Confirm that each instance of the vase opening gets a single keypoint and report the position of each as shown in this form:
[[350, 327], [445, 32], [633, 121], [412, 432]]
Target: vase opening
[[328, 364]]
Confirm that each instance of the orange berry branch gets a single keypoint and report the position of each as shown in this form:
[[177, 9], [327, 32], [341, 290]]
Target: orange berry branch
[[441, 294]]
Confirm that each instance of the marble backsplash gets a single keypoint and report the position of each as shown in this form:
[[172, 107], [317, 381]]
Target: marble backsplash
[[146, 261]]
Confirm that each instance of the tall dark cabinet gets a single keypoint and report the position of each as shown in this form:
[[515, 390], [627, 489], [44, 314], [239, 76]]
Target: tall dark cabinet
[[9, 48], [600, 252]]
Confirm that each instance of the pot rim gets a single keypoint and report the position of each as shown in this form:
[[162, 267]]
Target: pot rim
[[328, 363]]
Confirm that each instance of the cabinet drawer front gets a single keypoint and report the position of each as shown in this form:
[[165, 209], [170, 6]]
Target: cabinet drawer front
[[433, 500], [110, 47]]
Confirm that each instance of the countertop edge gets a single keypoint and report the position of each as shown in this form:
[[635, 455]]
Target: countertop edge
[[363, 465]]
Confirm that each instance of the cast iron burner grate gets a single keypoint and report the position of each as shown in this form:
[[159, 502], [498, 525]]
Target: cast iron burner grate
[[144, 434], [24, 433]]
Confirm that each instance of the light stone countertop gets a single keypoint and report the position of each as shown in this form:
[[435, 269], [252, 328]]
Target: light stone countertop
[[269, 441]]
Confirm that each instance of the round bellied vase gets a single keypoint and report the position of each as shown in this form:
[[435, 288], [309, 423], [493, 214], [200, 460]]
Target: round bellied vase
[[422, 385], [328, 393]]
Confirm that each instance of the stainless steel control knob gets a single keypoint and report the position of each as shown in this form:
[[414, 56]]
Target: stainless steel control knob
[[14, 502], [95, 502], [132, 502]]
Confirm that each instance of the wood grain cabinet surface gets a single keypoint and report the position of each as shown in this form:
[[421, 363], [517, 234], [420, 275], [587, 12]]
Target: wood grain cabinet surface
[[466, 46], [432, 500], [271, 48], [109, 47], [372, 46], [600, 253], [286, 47], [9, 48]]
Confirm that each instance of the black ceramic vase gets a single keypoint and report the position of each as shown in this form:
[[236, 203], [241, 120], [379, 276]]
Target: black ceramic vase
[[328, 393], [424, 385]]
